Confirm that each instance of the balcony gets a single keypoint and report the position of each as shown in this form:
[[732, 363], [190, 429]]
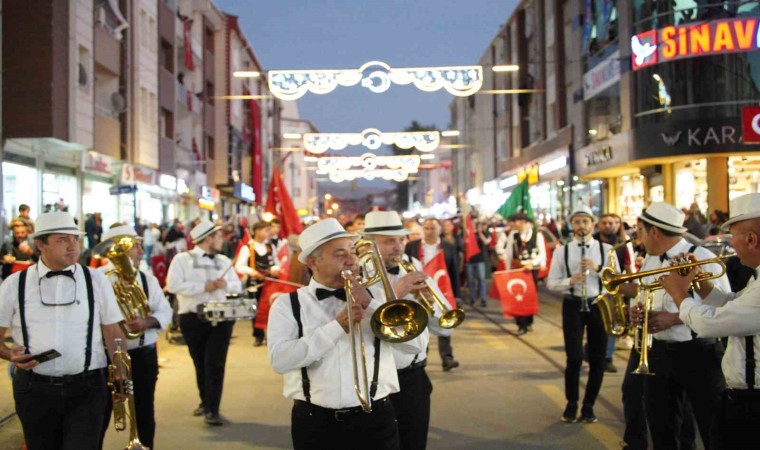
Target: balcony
[[166, 19], [165, 92], [183, 95], [107, 51], [107, 133], [208, 66], [208, 119], [166, 153]]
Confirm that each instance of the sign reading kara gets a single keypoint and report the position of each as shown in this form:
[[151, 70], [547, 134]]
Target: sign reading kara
[[697, 39]]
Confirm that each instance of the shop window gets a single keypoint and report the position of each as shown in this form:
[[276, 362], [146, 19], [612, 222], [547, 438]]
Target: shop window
[[603, 114], [691, 184], [630, 197], [20, 186], [600, 24], [743, 175]]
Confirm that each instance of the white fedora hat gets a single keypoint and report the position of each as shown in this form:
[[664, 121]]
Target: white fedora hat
[[385, 223], [664, 216], [121, 230], [744, 208], [581, 210], [202, 230], [319, 233], [58, 222]]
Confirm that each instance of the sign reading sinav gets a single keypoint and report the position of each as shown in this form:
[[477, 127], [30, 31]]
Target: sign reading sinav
[[695, 39]]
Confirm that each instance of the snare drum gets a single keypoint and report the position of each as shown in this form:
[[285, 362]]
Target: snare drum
[[233, 308]]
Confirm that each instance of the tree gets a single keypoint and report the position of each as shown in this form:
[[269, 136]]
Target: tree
[[403, 188]]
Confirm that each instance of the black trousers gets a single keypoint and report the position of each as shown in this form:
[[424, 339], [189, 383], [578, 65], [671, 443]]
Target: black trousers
[[314, 427], [683, 371], [736, 420], [412, 406], [208, 347], [573, 324], [144, 361], [444, 348], [63, 415]]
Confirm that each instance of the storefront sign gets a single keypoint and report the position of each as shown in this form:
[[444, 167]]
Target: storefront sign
[[692, 40], [601, 77], [98, 164], [599, 156], [244, 192], [751, 124], [209, 193], [131, 174], [689, 137], [122, 189]]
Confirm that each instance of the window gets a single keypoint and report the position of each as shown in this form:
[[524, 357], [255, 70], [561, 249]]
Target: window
[[210, 147], [603, 114], [600, 27], [166, 55], [153, 108], [166, 124], [143, 28], [144, 105]]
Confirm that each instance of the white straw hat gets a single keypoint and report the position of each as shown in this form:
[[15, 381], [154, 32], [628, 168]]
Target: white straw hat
[[664, 216], [744, 208], [582, 209], [319, 233], [385, 223], [58, 222], [202, 230]]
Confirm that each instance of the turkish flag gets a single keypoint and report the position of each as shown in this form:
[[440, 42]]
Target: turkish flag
[[271, 289], [436, 269], [186, 26], [517, 293], [471, 246], [751, 125], [158, 266], [281, 206], [283, 255]]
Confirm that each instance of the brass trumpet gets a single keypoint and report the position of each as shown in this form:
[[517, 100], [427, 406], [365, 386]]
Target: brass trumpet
[[122, 389], [612, 281], [643, 340], [362, 389], [397, 320], [428, 298]]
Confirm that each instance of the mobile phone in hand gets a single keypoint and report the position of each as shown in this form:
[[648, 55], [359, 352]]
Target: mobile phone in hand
[[46, 356]]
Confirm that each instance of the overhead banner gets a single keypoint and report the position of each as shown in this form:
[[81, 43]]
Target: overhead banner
[[604, 75], [695, 39]]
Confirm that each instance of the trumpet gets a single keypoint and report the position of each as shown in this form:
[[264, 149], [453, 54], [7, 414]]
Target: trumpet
[[122, 389], [362, 389], [397, 320], [643, 340], [612, 281], [428, 298]]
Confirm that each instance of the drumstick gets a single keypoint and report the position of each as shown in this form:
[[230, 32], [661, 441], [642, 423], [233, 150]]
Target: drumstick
[[228, 269], [289, 283]]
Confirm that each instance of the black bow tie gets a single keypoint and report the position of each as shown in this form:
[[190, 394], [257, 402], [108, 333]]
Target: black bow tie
[[327, 293], [394, 270], [581, 244], [664, 257], [209, 255], [55, 273]]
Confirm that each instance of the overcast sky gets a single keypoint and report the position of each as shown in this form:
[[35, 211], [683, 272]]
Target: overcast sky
[[344, 34]]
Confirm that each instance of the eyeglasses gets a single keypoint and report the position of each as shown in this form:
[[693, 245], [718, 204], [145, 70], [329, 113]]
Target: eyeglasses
[[39, 288]]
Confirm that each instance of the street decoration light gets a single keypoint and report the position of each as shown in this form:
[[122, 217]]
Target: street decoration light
[[424, 141], [368, 166], [376, 76]]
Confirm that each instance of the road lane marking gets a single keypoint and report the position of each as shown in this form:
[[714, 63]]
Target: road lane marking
[[494, 340], [601, 432]]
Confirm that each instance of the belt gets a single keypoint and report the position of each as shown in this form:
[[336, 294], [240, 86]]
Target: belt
[[674, 345], [577, 298], [343, 414], [410, 367], [143, 348], [65, 379]]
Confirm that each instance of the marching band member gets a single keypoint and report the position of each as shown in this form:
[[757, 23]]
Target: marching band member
[[412, 402], [575, 272], [142, 350], [197, 277], [59, 305], [733, 315], [525, 249], [684, 365], [263, 264], [309, 344], [425, 250]]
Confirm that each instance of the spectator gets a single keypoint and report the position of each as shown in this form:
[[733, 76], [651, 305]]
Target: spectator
[[476, 265], [150, 237], [23, 216], [19, 249], [93, 227]]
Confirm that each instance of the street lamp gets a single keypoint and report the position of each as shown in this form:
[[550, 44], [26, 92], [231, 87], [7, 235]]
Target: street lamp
[[328, 196], [335, 206]]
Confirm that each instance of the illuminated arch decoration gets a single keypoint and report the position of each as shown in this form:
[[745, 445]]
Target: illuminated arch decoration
[[368, 166], [424, 141], [376, 76]]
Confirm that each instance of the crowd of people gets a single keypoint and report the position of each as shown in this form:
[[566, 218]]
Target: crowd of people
[[307, 330]]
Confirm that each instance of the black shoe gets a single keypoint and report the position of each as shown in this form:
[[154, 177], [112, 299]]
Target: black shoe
[[529, 328], [449, 364], [609, 366], [199, 411], [587, 415], [521, 331], [483, 304], [571, 412], [212, 419], [258, 342]]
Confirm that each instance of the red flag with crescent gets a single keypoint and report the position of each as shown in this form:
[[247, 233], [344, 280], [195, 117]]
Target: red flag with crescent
[[436, 269], [517, 293], [281, 206], [269, 292], [471, 246]]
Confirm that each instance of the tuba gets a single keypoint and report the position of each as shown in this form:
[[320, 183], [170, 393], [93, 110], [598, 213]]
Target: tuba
[[122, 390], [129, 295], [397, 320], [428, 298], [612, 306]]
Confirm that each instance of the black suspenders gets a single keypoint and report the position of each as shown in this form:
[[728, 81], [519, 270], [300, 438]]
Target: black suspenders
[[144, 280], [749, 370], [296, 306], [567, 265], [90, 319]]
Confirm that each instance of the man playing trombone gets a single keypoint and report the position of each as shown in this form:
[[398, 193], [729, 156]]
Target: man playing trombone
[[310, 344], [412, 403], [682, 364], [722, 313]]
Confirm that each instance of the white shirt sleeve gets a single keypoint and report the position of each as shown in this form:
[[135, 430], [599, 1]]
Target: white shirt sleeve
[[289, 352], [231, 277], [160, 308], [509, 250], [556, 280], [241, 264], [540, 260], [110, 313], [178, 280], [8, 298], [740, 317]]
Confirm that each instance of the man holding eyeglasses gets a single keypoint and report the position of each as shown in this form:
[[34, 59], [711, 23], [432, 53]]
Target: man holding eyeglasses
[[59, 305]]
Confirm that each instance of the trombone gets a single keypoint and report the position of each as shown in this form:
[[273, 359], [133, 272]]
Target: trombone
[[396, 320], [362, 391], [428, 298]]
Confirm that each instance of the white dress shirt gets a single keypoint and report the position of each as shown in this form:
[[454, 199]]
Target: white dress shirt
[[404, 359], [558, 281], [663, 301], [325, 350], [63, 328], [430, 251], [540, 259], [160, 309], [243, 265], [737, 315], [190, 271]]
